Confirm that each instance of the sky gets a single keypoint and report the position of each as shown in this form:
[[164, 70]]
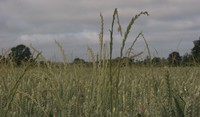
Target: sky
[[173, 25]]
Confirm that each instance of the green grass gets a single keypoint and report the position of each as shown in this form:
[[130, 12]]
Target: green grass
[[81, 91], [103, 89]]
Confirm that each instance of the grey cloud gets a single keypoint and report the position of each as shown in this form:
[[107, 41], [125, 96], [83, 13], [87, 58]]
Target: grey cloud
[[76, 23]]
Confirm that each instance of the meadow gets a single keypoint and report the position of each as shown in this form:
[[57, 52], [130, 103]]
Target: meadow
[[103, 89]]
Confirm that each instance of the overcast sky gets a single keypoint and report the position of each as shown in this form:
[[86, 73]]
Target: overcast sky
[[173, 25]]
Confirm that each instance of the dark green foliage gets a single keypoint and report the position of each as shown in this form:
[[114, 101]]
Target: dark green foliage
[[20, 54], [156, 61], [187, 60], [174, 58], [196, 50], [79, 61]]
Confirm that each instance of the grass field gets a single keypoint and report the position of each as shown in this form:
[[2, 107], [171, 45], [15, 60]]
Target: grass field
[[82, 91], [101, 90]]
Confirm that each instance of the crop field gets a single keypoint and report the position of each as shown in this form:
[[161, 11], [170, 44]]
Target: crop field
[[81, 91], [101, 89]]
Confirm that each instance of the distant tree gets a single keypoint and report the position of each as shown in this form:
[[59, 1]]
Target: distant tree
[[147, 60], [174, 58], [187, 60], [126, 61], [20, 54], [164, 61], [78, 61], [196, 50], [156, 61]]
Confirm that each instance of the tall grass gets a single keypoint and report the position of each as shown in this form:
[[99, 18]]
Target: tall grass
[[116, 84], [81, 92], [101, 90]]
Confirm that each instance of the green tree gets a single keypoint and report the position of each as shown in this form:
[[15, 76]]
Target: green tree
[[78, 61], [157, 61], [187, 60], [20, 54], [174, 58], [196, 50]]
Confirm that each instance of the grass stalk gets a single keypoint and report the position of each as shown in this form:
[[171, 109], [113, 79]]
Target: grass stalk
[[169, 95], [63, 53], [101, 40], [14, 90], [148, 49], [110, 63]]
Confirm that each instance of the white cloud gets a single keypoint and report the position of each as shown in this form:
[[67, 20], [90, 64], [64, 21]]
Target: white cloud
[[85, 37], [37, 39]]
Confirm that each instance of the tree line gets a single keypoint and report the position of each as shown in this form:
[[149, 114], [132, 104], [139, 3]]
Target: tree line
[[22, 54], [173, 59]]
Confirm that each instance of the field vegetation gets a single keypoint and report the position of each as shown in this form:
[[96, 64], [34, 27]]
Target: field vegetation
[[103, 88]]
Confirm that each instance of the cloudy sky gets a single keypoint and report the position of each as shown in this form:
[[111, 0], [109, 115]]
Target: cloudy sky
[[173, 25]]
